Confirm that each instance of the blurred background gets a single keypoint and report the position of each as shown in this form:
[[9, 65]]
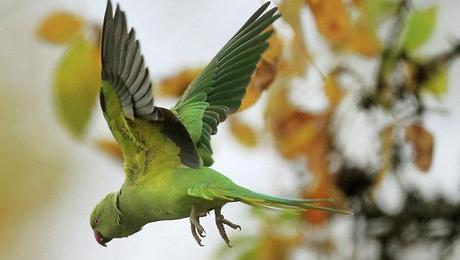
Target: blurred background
[[355, 100]]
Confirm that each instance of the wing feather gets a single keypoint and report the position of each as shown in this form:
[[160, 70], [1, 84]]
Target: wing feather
[[223, 83], [124, 71]]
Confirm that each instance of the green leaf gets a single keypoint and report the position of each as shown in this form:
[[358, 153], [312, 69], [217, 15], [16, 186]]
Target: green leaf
[[437, 84], [376, 10], [76, 83], [418, 29]]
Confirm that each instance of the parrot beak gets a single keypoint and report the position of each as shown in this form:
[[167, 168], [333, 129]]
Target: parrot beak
[[100, 239]]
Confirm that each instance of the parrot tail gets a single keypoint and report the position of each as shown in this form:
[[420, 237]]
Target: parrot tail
[[258, 200], [284, 204]]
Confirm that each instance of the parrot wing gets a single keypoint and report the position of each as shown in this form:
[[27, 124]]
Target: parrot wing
[[126, 75], [219, 89]]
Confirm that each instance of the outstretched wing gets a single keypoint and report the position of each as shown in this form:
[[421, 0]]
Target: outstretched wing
[[218, 90], [126, 94], [124, 68]]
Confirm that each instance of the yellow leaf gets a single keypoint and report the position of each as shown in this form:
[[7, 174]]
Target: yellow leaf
[[278, 104], [261, 79], [60, 27], [76, 83], [273, 54], [295, 131], [175, 85], [290, 9], [317, 153], [332, 90], [264, 74], [250, 98], [243, 132], [423, 142], [334, 23], [363, 39], [437, 83], [111, 148], [332, 20]]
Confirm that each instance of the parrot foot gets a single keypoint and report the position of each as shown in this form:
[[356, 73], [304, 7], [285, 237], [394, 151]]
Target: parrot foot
[[220, 222], [197, 229]]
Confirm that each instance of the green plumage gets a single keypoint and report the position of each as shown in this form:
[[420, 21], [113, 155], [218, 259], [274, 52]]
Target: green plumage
[[166, 152]]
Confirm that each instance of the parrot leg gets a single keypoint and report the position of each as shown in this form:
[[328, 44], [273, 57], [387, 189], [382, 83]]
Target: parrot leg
[[220, 221], [197, 229]]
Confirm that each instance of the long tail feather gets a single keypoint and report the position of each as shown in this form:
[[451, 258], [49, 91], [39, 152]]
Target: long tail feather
[[238, 193], [285, 204]]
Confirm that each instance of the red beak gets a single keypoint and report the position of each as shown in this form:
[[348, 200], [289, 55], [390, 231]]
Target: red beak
[[100, 239]]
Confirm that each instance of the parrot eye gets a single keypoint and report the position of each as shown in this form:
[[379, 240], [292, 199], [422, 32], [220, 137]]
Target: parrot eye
[[96, 221]]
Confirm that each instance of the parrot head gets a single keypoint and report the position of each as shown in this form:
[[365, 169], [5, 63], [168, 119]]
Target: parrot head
[[105, 220]]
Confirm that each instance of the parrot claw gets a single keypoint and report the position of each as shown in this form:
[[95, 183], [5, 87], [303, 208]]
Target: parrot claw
[[220, 222], [195, 235], [197, 229]]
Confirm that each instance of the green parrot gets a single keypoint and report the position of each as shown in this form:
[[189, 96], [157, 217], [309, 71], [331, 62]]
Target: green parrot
[[167, 152]]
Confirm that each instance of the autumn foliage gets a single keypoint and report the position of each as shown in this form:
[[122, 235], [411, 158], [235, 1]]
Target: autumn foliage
[[350, 30]]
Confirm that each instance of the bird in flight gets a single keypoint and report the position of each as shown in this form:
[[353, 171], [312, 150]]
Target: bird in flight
[[167, 152]]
